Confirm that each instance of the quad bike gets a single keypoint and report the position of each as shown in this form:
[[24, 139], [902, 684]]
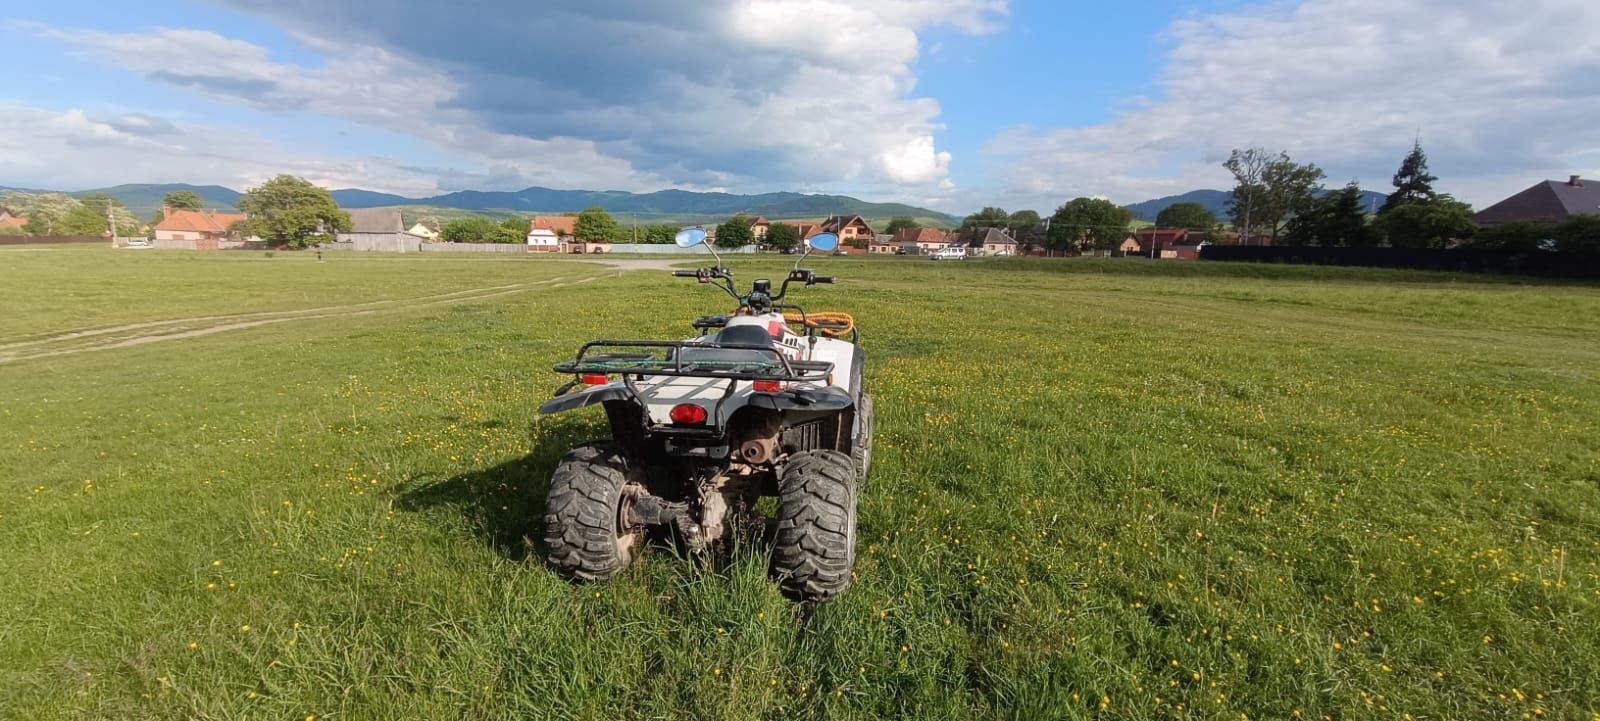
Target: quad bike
[[766, 401]]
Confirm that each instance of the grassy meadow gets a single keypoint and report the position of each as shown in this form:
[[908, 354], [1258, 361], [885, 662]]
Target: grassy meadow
[[1103, 490]]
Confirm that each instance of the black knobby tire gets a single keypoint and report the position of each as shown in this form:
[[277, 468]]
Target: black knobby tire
[[815, 548], [861, 445], [583, 525]]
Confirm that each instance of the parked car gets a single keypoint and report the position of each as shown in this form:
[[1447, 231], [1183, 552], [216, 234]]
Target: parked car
[[951, 253]]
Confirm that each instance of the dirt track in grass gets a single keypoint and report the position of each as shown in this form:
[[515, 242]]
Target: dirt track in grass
[[176, 329]]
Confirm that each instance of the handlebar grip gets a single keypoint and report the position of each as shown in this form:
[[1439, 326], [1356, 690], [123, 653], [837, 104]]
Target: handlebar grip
[[685, 273], [823, 279]]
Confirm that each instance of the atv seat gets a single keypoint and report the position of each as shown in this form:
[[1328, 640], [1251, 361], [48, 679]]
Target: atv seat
[[752, 335]]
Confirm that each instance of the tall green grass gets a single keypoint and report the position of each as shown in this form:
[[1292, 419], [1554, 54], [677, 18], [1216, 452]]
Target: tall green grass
[[1100, 492]]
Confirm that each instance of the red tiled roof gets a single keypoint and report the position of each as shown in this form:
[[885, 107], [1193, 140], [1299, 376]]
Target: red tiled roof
[[199, 221], [758, 220], [806, 228], [561, 224], [836, 222], [919, 235]]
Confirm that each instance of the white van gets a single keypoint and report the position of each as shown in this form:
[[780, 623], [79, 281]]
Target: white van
[[950, 253]]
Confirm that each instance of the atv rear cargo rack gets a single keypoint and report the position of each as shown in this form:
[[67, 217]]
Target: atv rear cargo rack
[[673, 363]]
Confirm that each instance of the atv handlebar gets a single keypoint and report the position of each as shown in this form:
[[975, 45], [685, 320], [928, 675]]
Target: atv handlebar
[[760, 298]]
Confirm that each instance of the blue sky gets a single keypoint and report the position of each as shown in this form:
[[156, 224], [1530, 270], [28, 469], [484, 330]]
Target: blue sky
[[952, 104]]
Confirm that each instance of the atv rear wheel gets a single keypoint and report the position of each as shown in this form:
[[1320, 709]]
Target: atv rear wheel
[[584, 523], [815, 549], [861, 446]]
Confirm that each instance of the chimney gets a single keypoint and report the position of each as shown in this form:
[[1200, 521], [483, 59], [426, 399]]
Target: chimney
[[1575, 181], [166, 210]]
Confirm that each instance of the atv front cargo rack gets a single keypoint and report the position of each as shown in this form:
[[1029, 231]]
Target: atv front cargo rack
[[632, 358]]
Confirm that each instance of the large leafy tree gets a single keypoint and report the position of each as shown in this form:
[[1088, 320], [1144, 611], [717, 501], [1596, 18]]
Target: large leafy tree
[[483, 230], [1413, 183], [89, 217], [1024, 219], [1193, 216], [1517, 235], [1579, 234], [291, 212], [783, 236], [1083, 223], [183, 200], [1334, 220], [736, 233], [987, 218], [595, 225], [44, 211], [1267, 187], [899, 223], [658, 233], [1431, 223]]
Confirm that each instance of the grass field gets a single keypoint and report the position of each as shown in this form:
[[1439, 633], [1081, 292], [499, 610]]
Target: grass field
[[1103, 490]]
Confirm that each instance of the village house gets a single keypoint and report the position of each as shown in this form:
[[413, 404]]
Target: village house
[[883, 244], [852, 229], [995, 241], [758, 228], [806, 228], [550, 233], [1169, 243], [204, 227], [9, 219], [426, 229], [921, 241], [1551, 201], [558, 234]]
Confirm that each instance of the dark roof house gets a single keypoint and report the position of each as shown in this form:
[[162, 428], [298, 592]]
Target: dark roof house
[[1551, 200]]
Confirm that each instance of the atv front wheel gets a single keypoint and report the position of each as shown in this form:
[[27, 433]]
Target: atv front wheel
[[861, 446], [815, 548], [584, 523]]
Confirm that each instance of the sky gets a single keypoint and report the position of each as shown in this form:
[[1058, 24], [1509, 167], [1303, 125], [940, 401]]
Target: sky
[[948, 104]]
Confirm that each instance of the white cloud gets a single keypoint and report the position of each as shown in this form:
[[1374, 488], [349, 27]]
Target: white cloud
[[1503, 94], [629, 94], [72, 150]]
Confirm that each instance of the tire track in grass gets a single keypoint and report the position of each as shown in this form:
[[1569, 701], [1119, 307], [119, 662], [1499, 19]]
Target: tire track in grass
[[111, 330], [243, 321]]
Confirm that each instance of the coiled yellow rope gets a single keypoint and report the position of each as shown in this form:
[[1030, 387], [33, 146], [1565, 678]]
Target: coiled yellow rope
[[812, 319]]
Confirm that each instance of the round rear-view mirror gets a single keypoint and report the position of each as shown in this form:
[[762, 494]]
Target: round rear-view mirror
[[690, 237], [824, 242]]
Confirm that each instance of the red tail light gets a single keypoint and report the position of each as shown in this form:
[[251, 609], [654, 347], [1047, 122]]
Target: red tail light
[[593, 379], [688, 414], [768, 386]]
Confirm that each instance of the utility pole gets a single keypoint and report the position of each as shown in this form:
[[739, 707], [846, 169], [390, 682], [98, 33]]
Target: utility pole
[[111, 224]]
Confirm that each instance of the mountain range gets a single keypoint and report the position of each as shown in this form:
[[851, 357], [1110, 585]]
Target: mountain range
[[1217, 201], [679, 206], [145, 199]]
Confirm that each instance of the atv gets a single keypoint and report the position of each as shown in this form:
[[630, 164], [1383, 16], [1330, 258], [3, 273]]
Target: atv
[[765, 401]]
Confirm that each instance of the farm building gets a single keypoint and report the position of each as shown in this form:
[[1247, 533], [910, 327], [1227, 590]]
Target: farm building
[[379, 229], [1551, 200]]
